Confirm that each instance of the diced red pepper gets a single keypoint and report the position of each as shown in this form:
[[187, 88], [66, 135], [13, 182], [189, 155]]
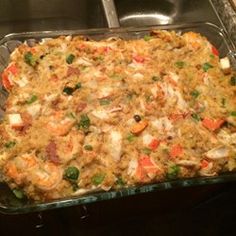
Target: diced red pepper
[[54, 78], [176, 151], [154, 144], [176, 117], [81, 106], [212, 124], [81, 46], [32, 50], [107, 49], [215, 51], [204, 164], [139, 59]]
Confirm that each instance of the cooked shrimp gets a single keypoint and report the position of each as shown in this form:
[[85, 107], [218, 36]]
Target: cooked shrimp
[[18, 167], [68, 146], [59, 125], [46, 177]]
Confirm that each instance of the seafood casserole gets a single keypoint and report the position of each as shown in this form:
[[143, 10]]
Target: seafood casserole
[[86, 115]]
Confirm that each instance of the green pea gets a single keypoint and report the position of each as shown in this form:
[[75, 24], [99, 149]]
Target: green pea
[[33, 99], [173, 172], [30, 59], [18, 193], [98, 178], [71, 173]]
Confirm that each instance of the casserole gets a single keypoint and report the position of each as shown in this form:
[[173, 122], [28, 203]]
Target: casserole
[[210, 31]]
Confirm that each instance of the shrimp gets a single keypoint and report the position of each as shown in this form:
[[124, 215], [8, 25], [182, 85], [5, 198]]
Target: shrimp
[[59, 125], [26, 168], [46, 177], [17, 168], [68, 146], [12, 172]]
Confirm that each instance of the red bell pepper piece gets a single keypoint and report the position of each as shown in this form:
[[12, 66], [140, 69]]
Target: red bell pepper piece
[[212, 124], [176, 150], [154, 144], [215, 51]]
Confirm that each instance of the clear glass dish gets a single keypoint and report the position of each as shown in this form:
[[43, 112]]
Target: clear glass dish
[[11, 205]]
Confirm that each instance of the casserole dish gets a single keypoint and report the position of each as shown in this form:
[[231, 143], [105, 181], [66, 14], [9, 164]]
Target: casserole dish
[[213, 34]]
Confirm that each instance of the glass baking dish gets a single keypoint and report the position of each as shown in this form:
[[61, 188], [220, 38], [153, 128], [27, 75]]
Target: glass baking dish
[[11, 205]]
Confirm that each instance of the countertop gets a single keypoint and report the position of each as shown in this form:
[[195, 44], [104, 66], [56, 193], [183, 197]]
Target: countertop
[[228, 16]]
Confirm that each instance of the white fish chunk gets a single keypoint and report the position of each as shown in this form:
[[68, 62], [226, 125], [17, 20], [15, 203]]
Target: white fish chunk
[[217, 153], [187, 163], [133, 164], [163, 124]]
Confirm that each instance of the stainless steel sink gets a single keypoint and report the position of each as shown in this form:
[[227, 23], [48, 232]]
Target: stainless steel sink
[[151, 12], [36, 15]]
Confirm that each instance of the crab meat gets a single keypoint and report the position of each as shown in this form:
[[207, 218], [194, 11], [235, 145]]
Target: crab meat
[[138, 76], [174, 77], [84, 61], [34, 109], [227, 139], [115, 145], [133, 164], [116, 109], [172, 94], [22, 82], [207, 170], [162, 124], [217, 153], [105, 92], [187, 163], [100, 114]]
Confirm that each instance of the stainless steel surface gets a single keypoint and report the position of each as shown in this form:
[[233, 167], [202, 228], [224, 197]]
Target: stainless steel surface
[[37, 15], [152, 12], [110, 13]]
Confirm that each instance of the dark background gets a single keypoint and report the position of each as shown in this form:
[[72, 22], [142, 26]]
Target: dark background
[[202, 210]]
